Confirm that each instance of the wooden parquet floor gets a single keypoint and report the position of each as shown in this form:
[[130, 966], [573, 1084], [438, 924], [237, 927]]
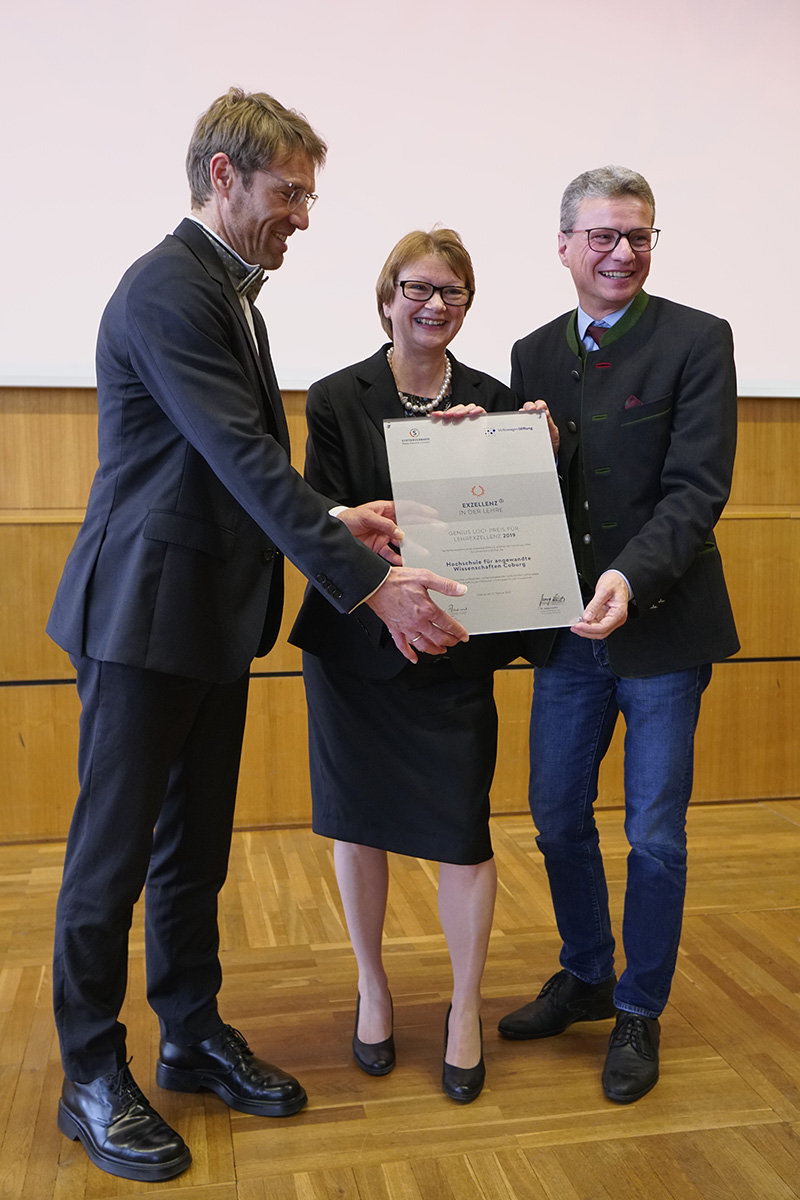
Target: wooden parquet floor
[[723, 1122]]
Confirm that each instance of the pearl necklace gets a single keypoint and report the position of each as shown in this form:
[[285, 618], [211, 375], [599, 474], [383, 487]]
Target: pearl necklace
[[415, 405]]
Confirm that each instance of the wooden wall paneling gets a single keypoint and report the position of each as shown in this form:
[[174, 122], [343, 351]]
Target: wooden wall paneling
[[294, 404], [513, 689], [747, 743], [283, 656], [761, 554], [748, 737], [48, 446], [33, 549], [273, 782], [38, 760], [748, 746], [39, 745], [768, 452]]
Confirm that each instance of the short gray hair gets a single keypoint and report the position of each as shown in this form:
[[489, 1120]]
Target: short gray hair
[[608, 182]]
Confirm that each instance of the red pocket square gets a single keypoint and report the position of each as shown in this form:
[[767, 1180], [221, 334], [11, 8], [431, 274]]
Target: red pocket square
[[633, 402]]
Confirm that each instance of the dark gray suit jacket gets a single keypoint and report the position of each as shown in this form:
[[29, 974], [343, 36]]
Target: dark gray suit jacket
[[177, 566], [653, 413]]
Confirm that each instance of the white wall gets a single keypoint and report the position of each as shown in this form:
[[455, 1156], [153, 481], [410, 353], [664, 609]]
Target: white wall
[[466, 112]]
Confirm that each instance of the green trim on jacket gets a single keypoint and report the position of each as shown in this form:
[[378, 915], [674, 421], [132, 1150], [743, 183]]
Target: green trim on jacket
[[626, 322]]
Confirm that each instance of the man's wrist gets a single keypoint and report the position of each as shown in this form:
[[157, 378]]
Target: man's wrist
[[369, 596], [627, 582]]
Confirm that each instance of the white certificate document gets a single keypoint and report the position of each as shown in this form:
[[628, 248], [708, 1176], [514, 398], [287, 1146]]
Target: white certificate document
[[479, 502]]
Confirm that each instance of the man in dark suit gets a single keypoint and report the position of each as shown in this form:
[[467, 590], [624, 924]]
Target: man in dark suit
[[644, 394], [173, 586]]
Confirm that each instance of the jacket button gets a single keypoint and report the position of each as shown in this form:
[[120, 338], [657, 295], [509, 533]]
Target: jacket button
[[587, 537], [575, 374], [572, 427], [268, 555]]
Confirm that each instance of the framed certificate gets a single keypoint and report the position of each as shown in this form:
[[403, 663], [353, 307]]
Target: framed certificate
[[478, 500]]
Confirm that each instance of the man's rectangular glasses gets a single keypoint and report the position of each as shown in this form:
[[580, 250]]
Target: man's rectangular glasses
[[603, 240]]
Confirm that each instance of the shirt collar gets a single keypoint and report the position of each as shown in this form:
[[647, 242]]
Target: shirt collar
[[584, 320], [246, 277]]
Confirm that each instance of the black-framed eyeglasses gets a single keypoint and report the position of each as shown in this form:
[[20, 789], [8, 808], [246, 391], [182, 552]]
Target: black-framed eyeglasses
[[417, 289], [603, 240], [298, 196]]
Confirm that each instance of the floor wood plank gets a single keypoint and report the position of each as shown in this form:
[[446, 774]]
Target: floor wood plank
[[723, 1122]]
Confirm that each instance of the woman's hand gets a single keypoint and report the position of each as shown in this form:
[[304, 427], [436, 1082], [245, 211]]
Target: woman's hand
[[458, 411], [540, 406]]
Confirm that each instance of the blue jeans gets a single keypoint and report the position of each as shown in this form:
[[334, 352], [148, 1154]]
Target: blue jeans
[[575, 704]]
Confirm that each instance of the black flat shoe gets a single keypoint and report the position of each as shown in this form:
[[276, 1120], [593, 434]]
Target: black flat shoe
[[225, 1064], [462, 1084], [376, 1058], [119, 1130]]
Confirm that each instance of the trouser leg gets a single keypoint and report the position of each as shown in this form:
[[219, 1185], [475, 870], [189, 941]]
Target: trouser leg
[[134, 724], [188, 868], [661, 716], [572, 720]]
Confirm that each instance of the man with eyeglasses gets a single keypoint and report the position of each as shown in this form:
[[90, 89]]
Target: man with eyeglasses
[[173, 586], [643, 392]]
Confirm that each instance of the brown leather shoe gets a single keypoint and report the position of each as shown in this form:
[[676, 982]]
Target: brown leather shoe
[[225, 1064], [119, 1130], [563, 1000]]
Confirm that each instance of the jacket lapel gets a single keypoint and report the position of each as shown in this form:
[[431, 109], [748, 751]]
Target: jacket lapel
[[270, 396], [270, 378], [379, 391], [378, 396]]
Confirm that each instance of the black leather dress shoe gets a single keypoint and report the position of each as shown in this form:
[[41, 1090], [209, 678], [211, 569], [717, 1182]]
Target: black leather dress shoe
[[462, 1084], [376, 1058], [631, 1068], [563, 1000], [225, 1064], [119, 1130]]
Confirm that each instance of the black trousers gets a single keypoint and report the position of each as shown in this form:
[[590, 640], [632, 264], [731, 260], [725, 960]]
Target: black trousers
[[158, 766]]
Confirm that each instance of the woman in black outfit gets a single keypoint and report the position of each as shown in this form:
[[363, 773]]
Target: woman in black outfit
[[402, 755]]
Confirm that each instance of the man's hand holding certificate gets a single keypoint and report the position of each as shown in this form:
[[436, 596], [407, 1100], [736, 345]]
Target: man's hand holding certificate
[[479, 502]]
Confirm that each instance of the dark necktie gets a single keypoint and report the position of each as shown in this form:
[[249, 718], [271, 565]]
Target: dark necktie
[[252, 283], [596, 332], [246, 279]]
